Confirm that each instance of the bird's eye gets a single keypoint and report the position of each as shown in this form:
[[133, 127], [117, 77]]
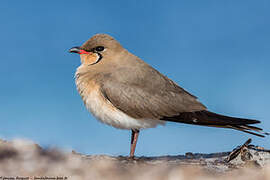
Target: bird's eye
[[99, 48]]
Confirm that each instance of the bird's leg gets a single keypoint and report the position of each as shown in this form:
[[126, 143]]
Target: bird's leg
[[134, 138]]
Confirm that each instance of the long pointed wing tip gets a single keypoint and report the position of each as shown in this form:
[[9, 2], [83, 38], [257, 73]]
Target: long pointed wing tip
[[255, 122]]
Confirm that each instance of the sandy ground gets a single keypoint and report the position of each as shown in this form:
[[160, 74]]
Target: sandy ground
[[21, 159]]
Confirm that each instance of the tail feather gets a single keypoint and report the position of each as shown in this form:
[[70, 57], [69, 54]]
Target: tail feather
[[246, 130], [252, 128], [207, 118]]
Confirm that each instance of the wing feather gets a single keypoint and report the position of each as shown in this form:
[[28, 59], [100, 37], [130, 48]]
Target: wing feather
[[152, 96]]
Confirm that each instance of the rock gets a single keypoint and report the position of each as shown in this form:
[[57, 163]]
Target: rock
[[27, 159]]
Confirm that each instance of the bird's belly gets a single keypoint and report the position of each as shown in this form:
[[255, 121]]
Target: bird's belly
[[104, 111]]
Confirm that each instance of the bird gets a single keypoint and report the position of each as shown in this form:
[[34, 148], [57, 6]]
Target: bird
[[123, 91]]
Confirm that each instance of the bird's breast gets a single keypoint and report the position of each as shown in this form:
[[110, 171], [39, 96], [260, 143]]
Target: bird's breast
[[104, 110]]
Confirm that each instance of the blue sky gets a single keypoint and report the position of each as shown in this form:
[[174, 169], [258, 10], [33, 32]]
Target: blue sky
[[217, 50]]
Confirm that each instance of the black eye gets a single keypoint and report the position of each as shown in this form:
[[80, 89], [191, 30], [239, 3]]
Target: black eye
[[99, 48]]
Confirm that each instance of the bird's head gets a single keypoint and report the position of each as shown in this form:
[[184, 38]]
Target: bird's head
[[97, 48]]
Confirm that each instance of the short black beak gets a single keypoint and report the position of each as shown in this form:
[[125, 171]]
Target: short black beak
[[75, 49]]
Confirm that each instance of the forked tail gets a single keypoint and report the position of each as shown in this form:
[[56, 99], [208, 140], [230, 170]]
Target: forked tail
[[207, 118]]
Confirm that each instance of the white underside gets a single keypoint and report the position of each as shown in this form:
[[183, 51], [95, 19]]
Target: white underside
[[104, 112]]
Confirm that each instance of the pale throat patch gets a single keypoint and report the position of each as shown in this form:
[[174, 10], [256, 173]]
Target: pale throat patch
[[89, 59]]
